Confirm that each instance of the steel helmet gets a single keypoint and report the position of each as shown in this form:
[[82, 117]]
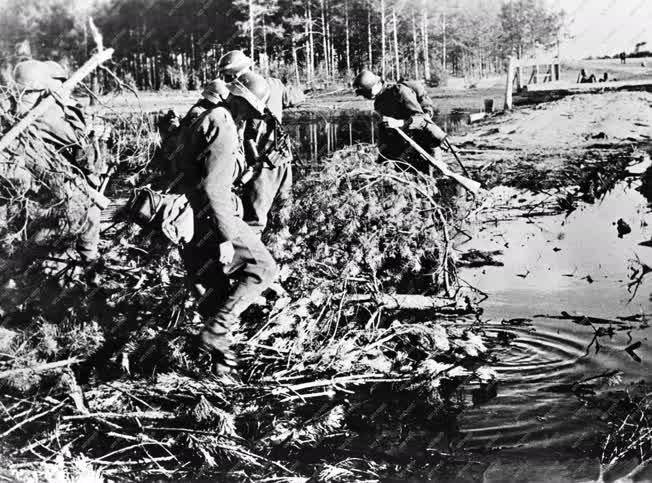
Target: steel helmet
[[233, 63], [364, 83], [253, 88], [37, 75], [215, 91]]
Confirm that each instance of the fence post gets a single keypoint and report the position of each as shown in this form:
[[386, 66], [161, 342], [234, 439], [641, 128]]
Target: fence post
[[508, 84]]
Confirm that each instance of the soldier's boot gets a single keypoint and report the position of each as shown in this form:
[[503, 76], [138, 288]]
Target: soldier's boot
[[215, 339]]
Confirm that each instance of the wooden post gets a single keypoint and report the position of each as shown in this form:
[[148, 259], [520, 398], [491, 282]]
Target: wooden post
[[508, 84]]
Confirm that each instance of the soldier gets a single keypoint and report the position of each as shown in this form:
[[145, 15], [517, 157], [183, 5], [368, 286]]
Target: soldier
[[63, 131], [267, 150], [172, 129], [225, 256], [400, 107]]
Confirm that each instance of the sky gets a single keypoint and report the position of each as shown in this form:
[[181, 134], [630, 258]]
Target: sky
[[605, 27]]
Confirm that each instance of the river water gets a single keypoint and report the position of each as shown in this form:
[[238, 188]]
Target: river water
[[576, 264], [316, 136]]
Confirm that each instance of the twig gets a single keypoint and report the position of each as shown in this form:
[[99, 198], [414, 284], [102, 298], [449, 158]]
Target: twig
[[29, 420]]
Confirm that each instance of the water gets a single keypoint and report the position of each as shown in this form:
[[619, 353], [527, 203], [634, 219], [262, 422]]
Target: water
[[321, 135], [577, 264], [532, 430]]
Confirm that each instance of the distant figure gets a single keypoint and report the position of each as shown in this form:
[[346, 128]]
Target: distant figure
[[605, 77], [584, 79], [623, 58]]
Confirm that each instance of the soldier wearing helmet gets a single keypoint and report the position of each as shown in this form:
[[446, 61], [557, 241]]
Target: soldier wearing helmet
[[267, 149], [404, 105], [173, 130], [63, 131], [225, 256], [233, 64]]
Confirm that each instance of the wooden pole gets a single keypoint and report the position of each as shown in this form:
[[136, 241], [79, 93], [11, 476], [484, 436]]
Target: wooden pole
[[508, 83]]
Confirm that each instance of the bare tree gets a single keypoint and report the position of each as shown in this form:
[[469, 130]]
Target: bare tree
[[397, 64], [348, 42], [251, 30], [415, 42], [424, 36], [324, 35], [383, 59], [371, 59]]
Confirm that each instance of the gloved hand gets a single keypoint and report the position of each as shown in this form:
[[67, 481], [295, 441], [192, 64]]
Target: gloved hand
[[391, 123]]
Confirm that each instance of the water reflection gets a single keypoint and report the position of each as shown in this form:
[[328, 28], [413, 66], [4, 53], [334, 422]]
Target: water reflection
[[318, 136], [573, 263]]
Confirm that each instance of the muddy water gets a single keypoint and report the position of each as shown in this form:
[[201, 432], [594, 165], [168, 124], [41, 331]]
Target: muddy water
[[576, 264], [321, 135]]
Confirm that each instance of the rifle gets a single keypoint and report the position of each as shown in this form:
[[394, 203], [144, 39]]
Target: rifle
[[470, 185]]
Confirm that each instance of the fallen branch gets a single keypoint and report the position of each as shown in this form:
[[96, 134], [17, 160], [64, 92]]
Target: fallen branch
[[40, 368], [403, 301], [28, 420], [135, 415]]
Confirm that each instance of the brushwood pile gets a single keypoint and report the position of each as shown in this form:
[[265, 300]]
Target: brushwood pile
[[102, 379]]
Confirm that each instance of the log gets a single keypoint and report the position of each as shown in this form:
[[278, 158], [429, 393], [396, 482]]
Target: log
[[404, 301]]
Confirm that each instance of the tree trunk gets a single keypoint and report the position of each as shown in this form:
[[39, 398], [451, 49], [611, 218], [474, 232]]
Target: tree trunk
[[371, 59], [325, 38], [311, 44], [295, 60], [329, 49], [382, 40], [424, 36], [443, 47], [251, 30], [266, 57], [415, 42], [348, 46], [397, 64]]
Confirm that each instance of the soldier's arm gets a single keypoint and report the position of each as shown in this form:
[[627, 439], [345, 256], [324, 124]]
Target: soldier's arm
[[409, 100], [219, 163], [425, 101]]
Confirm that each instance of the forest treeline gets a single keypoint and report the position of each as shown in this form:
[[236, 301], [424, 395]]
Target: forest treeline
[[176, 43]]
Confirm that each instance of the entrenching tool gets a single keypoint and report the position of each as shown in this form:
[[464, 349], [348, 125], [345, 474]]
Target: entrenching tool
[[468, 184]]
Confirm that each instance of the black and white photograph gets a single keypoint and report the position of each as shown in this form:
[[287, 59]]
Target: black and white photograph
[[325, 241]]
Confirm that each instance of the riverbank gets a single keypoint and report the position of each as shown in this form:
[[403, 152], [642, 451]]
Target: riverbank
[[332, 368]]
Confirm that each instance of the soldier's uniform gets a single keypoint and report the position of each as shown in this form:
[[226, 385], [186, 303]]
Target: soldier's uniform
[[399, 101], [214, 162], [274, 176], [423, 98], [64, 132]]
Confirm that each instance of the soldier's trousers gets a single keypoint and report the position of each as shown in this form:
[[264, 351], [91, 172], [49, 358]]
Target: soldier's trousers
[[258, 195], [229, 289]]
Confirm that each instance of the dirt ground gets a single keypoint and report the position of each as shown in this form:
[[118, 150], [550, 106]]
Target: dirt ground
[[575, 121]]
